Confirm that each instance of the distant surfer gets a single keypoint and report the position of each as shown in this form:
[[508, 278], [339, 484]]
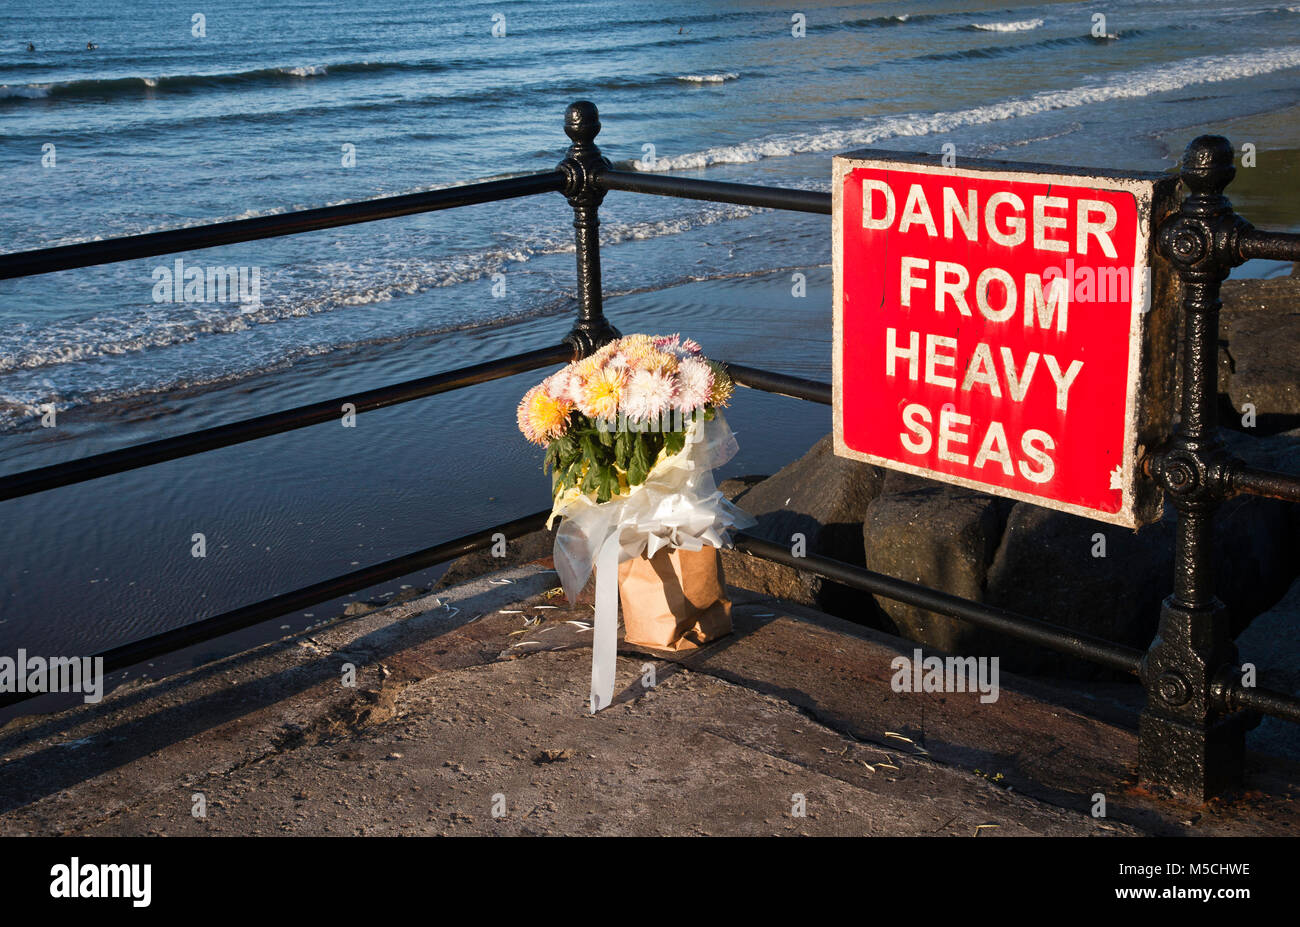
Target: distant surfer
[[31, 47], [91, 46]]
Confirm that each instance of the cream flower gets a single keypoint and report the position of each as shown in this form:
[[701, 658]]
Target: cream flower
[[602, 392], [649, 394]]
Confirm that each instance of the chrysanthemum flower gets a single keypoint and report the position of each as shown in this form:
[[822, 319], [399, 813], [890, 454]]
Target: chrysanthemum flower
[[586, 368], [649, 394], [723, 385], [661, 360], [694, 384], [564, 384], [542, 417], [601, 393], [635, 342]]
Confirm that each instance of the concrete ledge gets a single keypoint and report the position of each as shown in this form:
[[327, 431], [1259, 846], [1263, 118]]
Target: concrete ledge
[[481, 691]]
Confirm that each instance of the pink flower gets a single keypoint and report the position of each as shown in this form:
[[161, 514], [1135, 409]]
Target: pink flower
[[694, 384], [649, 394], [564, 385]]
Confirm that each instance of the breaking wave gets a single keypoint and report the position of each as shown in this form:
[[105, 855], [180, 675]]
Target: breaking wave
[[707, 78], [1131, 85], [1023, 25]]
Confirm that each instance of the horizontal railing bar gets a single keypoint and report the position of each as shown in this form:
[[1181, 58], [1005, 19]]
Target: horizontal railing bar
[[1284, 486], [780, 383], [1265, 701], [144, 455], [171, 241], [716, 191], [1271, 246], [1045, 634], [205, 630]]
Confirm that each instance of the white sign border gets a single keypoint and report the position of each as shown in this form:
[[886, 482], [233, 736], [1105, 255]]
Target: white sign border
[[1142, 190]]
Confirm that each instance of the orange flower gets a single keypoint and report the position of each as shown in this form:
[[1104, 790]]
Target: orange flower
[[541, 416]]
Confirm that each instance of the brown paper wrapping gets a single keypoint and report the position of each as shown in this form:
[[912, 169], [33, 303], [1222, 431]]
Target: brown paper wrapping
[[675, 600]]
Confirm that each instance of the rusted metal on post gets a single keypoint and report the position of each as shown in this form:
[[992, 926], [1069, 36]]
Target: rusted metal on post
[[1190, 738], [1266, 483], [581, 166], [1272, 246]]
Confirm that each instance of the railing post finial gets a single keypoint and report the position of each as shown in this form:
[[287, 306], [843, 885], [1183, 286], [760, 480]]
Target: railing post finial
[[581, 167]]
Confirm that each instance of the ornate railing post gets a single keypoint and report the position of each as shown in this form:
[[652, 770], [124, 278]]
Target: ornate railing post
[[581, 165], [1190, 740]]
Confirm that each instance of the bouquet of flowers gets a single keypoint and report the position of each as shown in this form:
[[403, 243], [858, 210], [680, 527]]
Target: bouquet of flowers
[[632, 433]]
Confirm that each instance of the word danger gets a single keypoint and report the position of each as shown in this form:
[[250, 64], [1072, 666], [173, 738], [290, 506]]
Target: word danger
[[964, 350], [1002, 217]]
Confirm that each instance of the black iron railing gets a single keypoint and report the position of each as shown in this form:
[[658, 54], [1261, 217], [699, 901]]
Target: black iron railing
[[1198, 709]]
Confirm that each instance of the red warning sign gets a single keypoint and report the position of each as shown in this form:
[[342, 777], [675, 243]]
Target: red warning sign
[[1003, 328]]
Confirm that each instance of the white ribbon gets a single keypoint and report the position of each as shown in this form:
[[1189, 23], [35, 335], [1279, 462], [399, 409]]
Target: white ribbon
[[678, 505]]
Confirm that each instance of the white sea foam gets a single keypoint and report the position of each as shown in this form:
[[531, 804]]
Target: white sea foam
[[310, 290], [1143, 82], [312, 70], [1023, 25], [28, 91], [708, 78]]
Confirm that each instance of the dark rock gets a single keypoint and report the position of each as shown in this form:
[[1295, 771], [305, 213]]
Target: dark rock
[[1259, 324], [939, 536], [536, 545], [1049, 565], [824, 498], [1264, 362], [1272, 645], [737, 486], [1100, 579]]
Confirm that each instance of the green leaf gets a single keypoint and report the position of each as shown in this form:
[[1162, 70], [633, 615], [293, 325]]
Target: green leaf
[[591, 481], [639, 466], [674, 441], [608, 483]]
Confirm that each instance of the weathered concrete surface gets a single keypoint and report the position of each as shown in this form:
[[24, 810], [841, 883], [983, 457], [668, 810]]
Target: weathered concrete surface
[[466, 697]]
